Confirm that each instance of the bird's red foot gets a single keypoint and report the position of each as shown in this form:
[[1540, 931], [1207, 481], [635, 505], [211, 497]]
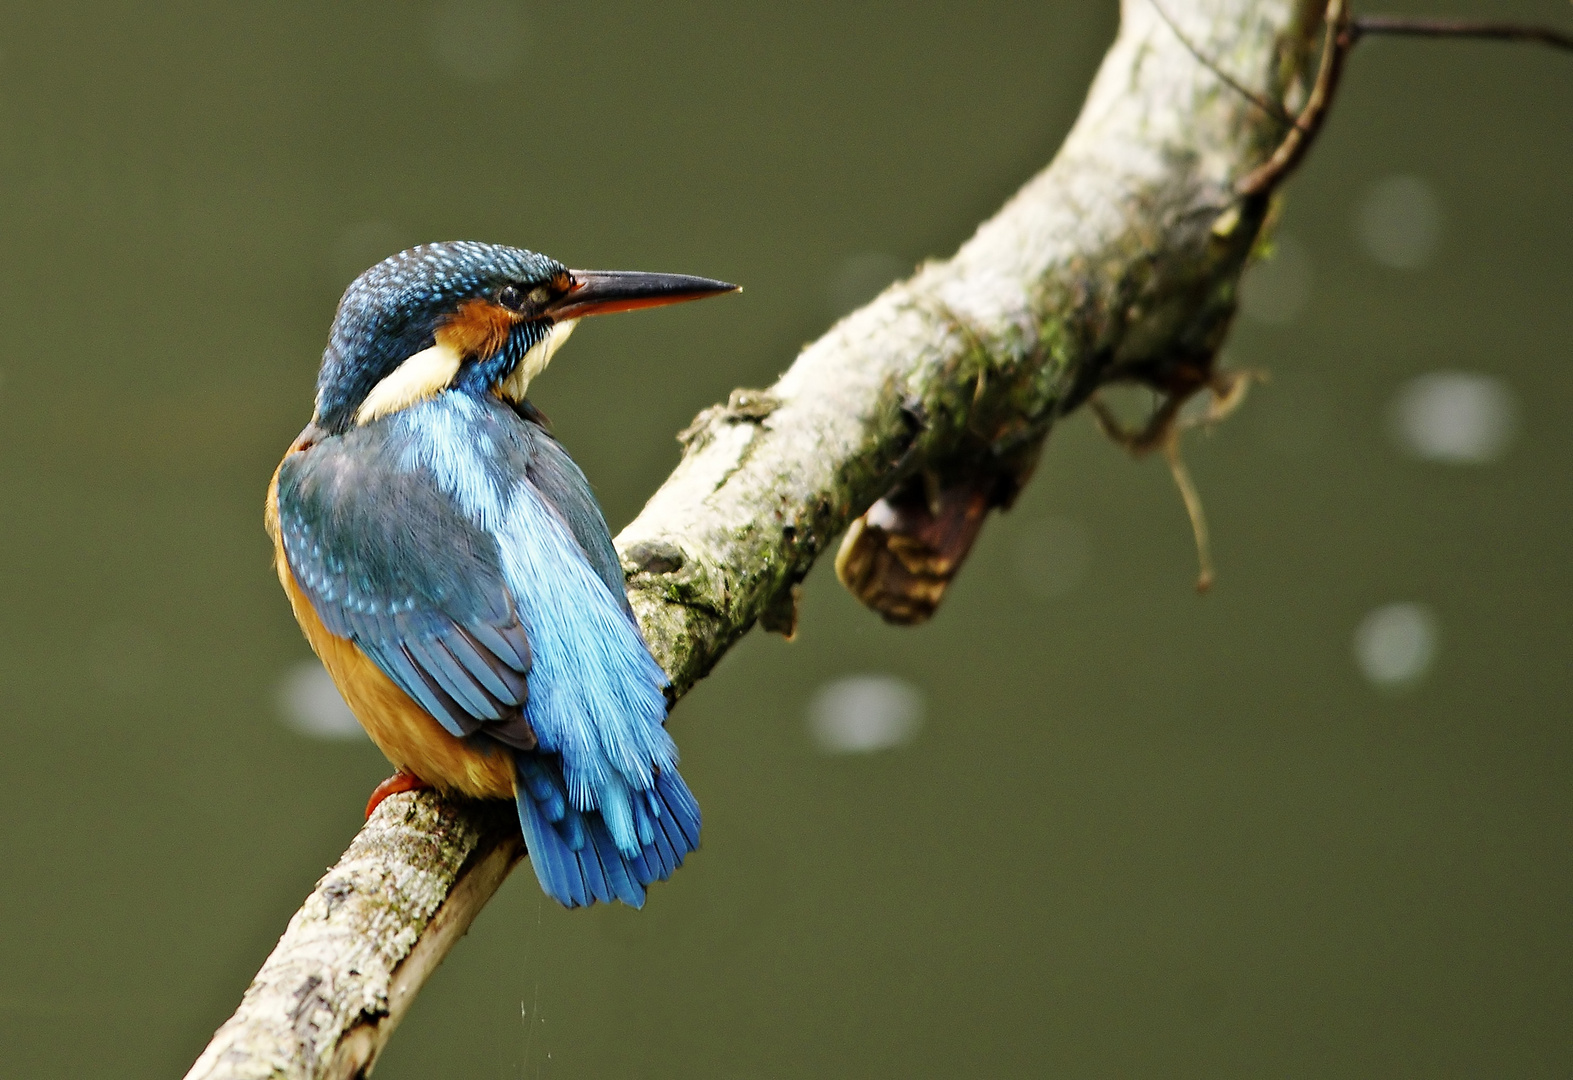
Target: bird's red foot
[[399, 781]]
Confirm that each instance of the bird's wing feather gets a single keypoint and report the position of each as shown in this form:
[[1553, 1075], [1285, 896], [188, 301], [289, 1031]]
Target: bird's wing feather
[[389, 562], [563, 485]]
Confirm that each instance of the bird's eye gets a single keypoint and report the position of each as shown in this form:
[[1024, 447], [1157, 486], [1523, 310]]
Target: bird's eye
[[510, 297]]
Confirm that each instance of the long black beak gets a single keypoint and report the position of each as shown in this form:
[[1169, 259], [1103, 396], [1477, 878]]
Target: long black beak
[[601, 292]]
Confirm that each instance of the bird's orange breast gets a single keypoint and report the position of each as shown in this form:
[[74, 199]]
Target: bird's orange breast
[[402, 730]]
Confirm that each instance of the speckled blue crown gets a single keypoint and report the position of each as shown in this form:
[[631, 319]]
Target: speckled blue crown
[[391, 311]]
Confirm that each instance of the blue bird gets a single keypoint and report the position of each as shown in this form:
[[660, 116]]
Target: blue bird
[[450, 565]]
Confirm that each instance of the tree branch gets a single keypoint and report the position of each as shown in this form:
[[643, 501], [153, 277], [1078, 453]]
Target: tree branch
[[1117, 263], [1480, 29]]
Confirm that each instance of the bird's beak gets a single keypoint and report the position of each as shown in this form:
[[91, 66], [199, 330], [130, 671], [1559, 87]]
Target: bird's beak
[[601, 292]]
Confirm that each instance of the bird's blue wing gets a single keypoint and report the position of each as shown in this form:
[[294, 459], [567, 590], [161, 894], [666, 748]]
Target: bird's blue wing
[[458, 514], [389, 562], [563, 485]]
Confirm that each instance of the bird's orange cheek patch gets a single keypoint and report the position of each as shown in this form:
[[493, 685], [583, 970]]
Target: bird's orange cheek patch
[[478, 328]]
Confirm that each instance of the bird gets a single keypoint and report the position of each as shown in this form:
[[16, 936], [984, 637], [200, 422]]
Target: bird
[[450, 565]]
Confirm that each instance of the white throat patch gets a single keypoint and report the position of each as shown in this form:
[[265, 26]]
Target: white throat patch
[[514, 387], [421, 376]]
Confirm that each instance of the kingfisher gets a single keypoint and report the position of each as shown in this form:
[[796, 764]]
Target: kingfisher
[[451, 567]]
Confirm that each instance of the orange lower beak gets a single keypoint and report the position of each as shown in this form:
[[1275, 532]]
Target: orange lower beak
[[601, 292]]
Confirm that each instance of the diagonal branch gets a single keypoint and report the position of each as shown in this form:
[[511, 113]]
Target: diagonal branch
[[1117, 262]]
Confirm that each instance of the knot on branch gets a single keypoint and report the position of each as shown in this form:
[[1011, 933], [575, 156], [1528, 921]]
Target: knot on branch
[[653, 557], [742, 406]]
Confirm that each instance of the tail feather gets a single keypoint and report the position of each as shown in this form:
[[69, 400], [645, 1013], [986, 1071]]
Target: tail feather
[[662, 858], [594, 879], [643, 870], [576, 860], [679, 802], [615, 868], [556, 868]]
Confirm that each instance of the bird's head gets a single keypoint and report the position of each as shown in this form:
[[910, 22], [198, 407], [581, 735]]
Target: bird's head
[[479, 316]]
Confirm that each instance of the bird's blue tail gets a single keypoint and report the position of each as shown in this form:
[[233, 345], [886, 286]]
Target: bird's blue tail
[[573, 853]]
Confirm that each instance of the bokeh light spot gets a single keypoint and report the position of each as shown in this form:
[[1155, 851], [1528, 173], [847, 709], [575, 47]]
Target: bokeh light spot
[[1277, 289], [310, 704], [864, 713], [1399, 222], [1457, 417], [1396, 644]]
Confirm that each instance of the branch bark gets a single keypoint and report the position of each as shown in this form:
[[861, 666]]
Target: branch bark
[[1117, 263]]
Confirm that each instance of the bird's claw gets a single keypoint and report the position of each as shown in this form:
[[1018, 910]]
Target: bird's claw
[[399, 781]]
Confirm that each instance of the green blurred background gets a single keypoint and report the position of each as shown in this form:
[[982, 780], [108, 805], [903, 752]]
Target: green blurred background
[[1084, 824]]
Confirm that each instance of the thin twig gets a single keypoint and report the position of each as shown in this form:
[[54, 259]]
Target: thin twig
[[1335, 48], [1484, 29], [1163, 429], [1193, 507], [1343, 33]]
